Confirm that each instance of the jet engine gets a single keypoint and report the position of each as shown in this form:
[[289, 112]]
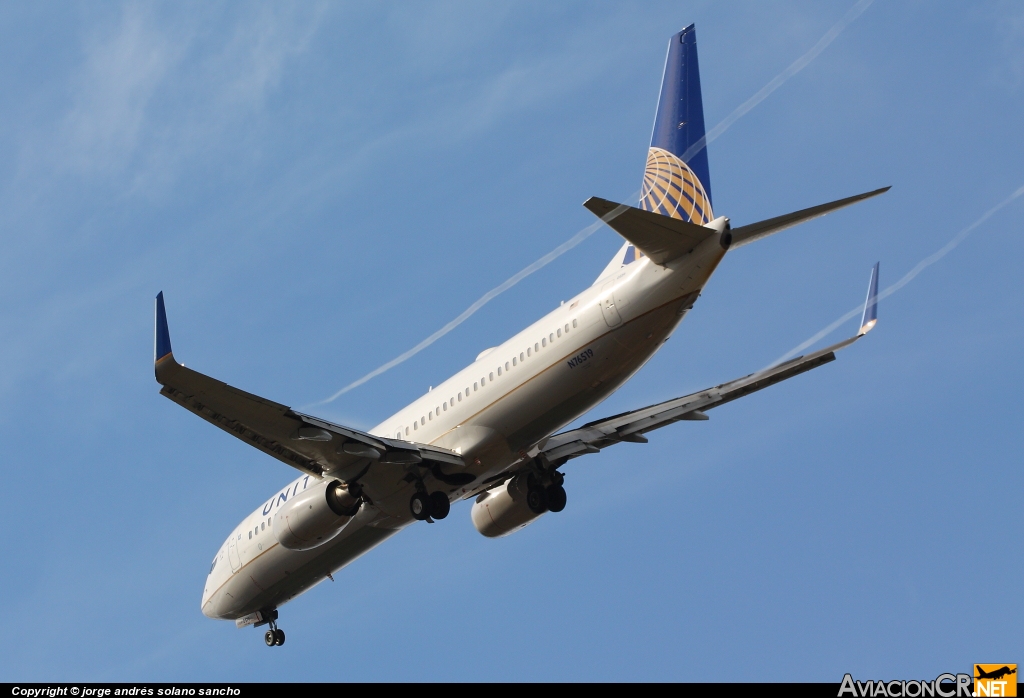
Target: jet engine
[[315, 516], [506, 509]]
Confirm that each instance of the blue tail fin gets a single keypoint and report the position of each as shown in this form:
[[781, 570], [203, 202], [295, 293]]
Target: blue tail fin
[[677, 183]]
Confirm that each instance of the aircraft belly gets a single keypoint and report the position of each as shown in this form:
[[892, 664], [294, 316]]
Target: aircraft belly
[[279, 574], [572, 391]]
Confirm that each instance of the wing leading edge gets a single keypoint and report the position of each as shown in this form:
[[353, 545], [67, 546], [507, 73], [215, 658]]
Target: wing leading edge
[[632, 426]]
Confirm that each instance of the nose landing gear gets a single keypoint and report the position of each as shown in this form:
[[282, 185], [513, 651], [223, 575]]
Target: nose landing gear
[[274, 637]]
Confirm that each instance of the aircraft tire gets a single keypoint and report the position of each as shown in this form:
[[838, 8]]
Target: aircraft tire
[[419, 505], [270, 637], [556, 497], [279, 637], [537, 500], [439, 505]]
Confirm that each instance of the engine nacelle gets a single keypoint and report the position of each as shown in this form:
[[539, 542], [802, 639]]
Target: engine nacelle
[[315, 516], [504, 510]]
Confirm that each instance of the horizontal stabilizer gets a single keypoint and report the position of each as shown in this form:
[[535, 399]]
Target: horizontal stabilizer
[[755, 231], [659, 237]]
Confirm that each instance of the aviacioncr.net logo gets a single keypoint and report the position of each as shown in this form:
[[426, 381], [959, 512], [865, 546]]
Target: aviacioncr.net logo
[[943, 686]]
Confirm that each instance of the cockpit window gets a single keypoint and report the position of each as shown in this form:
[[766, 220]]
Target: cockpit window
[[213, 565]]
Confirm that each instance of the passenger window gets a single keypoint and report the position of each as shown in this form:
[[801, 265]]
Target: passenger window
[[574, 322], [529, 351], [422, 421], [467, 392], [514, 363], [407, 431], [521, 357], [398, 434], [544, 342], [499, 370], [415, 426], [474, 386], [559, 331], [250, 535], [536, 347], [263, 525], [430, 415], [506, 365], [452, 401], [445, 407], [567, 328], [490, 376], [460, 396], [551, 337]]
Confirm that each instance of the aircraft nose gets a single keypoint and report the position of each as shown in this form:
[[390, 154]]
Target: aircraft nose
[[208, 604]]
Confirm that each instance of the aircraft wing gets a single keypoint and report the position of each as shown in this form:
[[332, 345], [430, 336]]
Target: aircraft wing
[[632, 426], [311, 445]]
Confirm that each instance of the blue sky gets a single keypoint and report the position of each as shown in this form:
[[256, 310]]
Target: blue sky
[[318, 187]]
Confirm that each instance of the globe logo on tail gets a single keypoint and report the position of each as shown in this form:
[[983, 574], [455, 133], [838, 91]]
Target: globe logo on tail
[[672, 189]]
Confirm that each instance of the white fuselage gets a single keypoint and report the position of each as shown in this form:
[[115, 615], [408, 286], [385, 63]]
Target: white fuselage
[[492, 412]]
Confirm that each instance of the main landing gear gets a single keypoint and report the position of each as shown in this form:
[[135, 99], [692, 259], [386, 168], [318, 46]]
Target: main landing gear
[[541, 498], [428, 507], [274, 636]]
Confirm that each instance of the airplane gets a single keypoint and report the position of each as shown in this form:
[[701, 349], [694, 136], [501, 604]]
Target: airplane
[[994, 674], [491, 432]]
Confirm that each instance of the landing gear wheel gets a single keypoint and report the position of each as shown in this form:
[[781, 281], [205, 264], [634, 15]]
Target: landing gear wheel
[[279, 637], [556, 497], [270, 637], [536, 500], [439, 505], [419, 505]]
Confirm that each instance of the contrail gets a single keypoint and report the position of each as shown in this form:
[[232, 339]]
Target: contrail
[[798, 65], [485, 299], [583, 234], [907, 278]]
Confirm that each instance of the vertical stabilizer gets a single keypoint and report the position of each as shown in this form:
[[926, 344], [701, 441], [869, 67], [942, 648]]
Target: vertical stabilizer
[[674, 187]]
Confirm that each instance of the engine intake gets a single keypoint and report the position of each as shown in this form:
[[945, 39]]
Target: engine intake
[[316, 515]]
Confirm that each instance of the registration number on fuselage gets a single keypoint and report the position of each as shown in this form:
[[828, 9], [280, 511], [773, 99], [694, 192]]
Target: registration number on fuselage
[[581, 358]]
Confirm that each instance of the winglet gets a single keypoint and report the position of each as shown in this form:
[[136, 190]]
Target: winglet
[[162, 346], [870, 316]]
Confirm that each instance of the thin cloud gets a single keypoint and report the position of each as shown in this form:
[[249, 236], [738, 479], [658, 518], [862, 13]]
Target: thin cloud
[[151, 96], [780, 79]]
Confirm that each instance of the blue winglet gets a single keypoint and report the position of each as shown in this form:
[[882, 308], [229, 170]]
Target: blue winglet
[[163, 337], [870, 316]]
